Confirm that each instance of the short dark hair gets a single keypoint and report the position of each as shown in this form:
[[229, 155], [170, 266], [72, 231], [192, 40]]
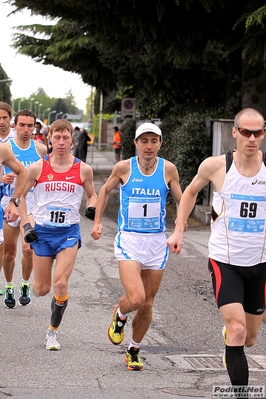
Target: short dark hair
[[5, 107], [24, 112], [248, 111]]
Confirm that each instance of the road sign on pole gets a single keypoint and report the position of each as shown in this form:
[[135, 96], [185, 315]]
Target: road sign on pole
[[128, 108]]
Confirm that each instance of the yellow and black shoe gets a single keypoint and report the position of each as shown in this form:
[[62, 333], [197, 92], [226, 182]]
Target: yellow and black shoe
[[133, 360], [116, 328], [24, 298], [224, 337]]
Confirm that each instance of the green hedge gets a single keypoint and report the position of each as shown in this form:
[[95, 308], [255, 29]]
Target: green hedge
[[186, 143], [128, 133]]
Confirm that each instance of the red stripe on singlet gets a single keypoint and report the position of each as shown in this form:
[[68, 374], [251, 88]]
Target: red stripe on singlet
[[264, 294], [218, 278]]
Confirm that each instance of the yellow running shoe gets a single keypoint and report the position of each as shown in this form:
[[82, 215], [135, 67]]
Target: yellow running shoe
[[116, 328], [224, 337], [133, 360], [224, 334]]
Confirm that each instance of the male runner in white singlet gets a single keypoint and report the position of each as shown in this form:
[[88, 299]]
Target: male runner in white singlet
[[60, 181], [140, 245], [237, 257]]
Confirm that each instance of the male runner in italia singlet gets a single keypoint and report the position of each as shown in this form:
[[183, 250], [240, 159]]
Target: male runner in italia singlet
[[140, 245], [6, 133], [60, 181], [237, 257], [26, 151]]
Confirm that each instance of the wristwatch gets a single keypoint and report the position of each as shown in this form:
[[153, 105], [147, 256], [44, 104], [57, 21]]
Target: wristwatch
[[16, 201]]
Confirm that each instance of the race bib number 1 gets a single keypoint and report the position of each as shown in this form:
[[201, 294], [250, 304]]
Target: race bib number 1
[[144, 213]]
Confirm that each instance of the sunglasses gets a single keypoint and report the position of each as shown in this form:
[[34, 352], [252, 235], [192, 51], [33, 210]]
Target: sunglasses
[[248, 133]]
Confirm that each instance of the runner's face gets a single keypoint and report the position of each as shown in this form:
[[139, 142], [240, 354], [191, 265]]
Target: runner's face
[[38, 128], [4, 121], [248, 145], [61, 141], [25, 127], [148, 145]]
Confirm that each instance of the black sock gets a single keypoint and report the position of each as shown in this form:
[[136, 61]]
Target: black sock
[[237, 366], [58, 306]]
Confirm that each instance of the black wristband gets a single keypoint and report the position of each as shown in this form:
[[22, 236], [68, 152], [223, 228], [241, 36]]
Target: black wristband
[[90, 213]]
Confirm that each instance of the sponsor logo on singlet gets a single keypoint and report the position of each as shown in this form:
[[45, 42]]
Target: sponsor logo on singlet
[[256, 181], [137, 180]]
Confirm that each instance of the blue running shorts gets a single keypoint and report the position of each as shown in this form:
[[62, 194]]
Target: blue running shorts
[[1, 225], [53, 240]]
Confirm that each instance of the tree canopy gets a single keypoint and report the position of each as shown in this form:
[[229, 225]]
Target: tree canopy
[[171, 54], [5, 93]]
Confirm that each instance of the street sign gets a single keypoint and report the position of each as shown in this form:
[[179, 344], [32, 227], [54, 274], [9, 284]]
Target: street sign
[[128, 108]]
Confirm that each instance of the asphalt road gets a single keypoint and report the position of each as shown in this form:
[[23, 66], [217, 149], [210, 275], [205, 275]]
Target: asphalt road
[[182, 351]]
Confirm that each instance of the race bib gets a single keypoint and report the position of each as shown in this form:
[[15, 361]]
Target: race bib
[[56, 216], [144, 213], [246, 213]]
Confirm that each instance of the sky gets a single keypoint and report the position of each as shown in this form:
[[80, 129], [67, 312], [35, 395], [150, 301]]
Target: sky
[[27, 75]]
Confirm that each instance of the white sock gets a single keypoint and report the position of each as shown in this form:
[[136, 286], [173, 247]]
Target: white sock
[[133, 344], [121, 315]]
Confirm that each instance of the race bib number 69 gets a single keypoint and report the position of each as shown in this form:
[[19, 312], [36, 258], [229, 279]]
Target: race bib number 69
[[246, 213]]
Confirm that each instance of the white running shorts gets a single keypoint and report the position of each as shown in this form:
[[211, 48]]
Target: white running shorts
[[149, 250]]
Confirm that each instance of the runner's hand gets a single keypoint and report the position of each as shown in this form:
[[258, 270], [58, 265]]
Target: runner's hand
[[29, 233]]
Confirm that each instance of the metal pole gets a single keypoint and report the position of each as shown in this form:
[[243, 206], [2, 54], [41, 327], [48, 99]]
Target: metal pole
[[36, 102], [43, 115], [91, 103], [100, 121], [32, 99], [49, 116], [5, 80], [92, 153], [59, 113], [20, 103], [39, 111]]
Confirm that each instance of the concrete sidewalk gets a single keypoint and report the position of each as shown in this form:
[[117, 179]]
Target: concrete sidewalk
[[100, 161]]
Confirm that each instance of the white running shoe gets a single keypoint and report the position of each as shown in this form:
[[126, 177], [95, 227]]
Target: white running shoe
[[51, 340]]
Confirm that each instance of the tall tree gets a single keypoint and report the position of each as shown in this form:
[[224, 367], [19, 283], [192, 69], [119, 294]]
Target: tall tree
[[5, 93], [173, 54]]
